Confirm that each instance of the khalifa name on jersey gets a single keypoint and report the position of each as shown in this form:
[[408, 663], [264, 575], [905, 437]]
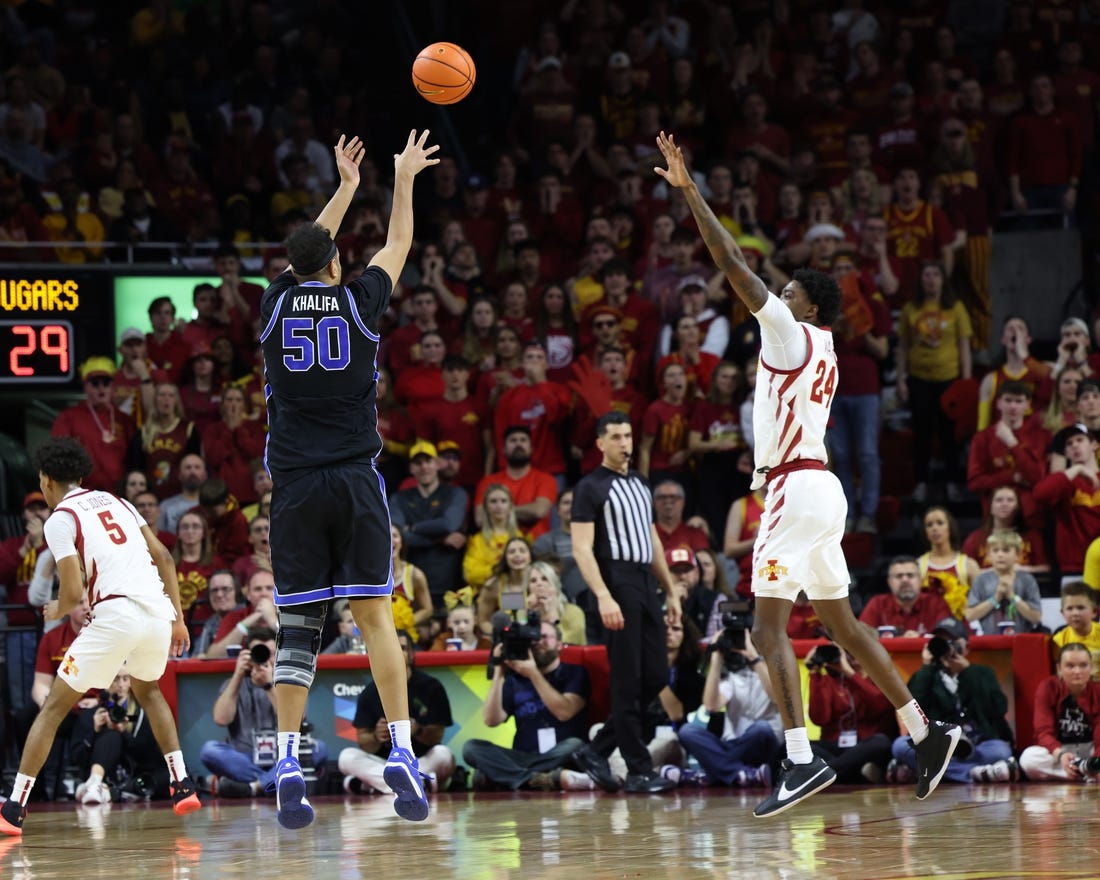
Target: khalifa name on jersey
[[312, 302]]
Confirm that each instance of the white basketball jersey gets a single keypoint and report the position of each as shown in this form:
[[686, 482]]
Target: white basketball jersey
[[790, 411], [105, 532]]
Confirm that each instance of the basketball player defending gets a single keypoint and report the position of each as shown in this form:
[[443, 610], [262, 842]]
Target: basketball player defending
[[798, 544], [136, 616], [330, 526]]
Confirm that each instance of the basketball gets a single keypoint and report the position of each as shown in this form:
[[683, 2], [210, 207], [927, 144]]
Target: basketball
[[443, 73]]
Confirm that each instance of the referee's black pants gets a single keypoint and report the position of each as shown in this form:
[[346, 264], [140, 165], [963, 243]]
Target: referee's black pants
[[638, 657]]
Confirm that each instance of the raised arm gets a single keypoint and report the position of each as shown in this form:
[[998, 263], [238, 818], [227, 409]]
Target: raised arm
[[727, 255], [348, 157], [406, 165]]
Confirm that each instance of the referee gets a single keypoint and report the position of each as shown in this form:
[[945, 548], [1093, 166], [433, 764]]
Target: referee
[[618, 551]]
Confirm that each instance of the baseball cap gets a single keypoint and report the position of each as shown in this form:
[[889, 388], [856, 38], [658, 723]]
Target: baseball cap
[[680, 556], [477, 182], [1073, 431], [618, 61], [952, 628], [692, 281], [450, 446], [97, 366], [33, 498], [422, 447], [550, 62], [130, 334], [1086, 385], [823, 230]]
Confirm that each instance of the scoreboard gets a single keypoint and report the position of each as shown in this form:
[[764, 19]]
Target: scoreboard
[[50, 322]]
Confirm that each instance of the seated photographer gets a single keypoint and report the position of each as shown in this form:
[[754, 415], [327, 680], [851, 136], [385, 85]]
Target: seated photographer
[[952, 689], [430, 716], [856, 719], [547, 698], [1067, 721], [114, 743], [738, 746], [908, 609], [1004, 599], [244, 764]]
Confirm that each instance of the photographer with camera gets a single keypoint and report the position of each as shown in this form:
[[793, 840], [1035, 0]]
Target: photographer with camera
[[114, 742], [244, 763], [738, 686], [546, 697], [953, 690], [1067, 721], [430, 716], [857, 721]]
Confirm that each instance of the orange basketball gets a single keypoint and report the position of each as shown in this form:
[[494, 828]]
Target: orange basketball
[[443, 73]]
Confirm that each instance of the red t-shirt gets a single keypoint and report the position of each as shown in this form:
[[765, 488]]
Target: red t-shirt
[[668, 424], [913, 237], [170, 355], [543, 408], [106, 433], [698, 375], [462, 421], [683, 536], [418, 384], [531, 486], [1044, 150], [883, 610], [857, 367], [1076, 507]]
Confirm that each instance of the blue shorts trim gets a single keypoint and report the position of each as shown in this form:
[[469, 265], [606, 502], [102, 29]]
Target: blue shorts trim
[[318, 595], [355, 591]]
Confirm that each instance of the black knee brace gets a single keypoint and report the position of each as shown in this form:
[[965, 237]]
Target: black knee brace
[[298, 643]]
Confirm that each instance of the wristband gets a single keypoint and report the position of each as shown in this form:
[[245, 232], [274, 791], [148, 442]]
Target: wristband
[[242, 629], [755, 660]]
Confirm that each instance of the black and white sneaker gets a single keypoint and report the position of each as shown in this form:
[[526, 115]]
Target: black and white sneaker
[[796, 782], [934, 754]]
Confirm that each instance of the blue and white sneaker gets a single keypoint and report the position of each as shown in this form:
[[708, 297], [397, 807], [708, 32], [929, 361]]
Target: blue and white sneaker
[[294, 811], [402, 775]]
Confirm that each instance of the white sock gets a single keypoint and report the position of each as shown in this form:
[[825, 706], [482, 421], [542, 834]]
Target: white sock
[[798, 746], [21, 790], [913, 717], [176, 768], [288, 744], [401, 735]]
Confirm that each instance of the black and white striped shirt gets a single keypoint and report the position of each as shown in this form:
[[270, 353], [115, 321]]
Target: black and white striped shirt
[[621, 508]]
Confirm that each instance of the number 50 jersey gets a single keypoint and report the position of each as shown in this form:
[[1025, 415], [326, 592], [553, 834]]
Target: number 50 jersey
[[790, 410], [320, 347]]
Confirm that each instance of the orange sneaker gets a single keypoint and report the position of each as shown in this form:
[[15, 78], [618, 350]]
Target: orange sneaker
[[185, 797], [11, 818]]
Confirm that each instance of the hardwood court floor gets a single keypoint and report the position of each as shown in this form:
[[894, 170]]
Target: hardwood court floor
[[960, 833]]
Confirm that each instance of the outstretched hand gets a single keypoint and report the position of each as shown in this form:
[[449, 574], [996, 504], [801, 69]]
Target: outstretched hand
[[348, 157], [676, 173], [415, 157]]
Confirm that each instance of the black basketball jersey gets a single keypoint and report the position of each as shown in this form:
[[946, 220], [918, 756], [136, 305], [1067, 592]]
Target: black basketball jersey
[[320, 347]]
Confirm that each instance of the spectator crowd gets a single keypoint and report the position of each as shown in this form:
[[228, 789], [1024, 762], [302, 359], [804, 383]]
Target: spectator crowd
[[555, 278]]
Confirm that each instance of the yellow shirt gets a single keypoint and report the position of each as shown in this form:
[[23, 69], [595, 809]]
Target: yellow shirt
[[933, 335], [1091, 575], [481, 556], [1091, 641]]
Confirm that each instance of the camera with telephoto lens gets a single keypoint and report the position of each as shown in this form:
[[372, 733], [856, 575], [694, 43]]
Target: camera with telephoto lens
[[516, 638], [824, 655], [941, 649], [1088, 766], [736, 622], [259, 654], [115, 706]]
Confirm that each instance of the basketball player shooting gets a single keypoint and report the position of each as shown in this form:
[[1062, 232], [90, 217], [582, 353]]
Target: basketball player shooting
[[798, 544]]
